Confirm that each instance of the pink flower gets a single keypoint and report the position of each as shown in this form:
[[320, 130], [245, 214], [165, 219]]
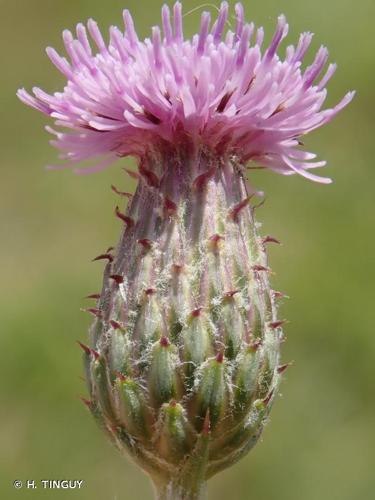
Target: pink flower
[[219, 90]]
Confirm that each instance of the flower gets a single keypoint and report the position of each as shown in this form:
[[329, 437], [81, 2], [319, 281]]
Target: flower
[[219, 89], [183, 361]]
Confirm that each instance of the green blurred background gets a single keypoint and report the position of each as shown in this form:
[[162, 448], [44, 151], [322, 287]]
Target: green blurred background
[[320, 443]]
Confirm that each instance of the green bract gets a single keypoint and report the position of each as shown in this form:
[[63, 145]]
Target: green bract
[[184, 356]]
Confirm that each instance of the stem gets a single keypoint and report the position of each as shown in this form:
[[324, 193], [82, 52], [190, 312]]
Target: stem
[[179, 490]]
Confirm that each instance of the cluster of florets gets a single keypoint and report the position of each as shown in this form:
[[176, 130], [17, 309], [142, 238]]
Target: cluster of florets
[[219, 88]]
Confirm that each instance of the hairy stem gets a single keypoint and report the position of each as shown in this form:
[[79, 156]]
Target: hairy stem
[[179, 490]]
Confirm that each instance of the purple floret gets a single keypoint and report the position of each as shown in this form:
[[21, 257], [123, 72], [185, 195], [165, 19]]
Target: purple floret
[[218, 90]]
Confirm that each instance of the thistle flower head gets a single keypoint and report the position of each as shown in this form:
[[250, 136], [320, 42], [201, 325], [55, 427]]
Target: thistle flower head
[[183, 361], [220, 88]]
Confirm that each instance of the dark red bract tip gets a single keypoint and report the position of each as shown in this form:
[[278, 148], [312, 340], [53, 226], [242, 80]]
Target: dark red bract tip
[[267, 399], [150, 291], [270, 239], [215, 238], [164, 342], [151, 179], [235, 211], [93, 296], [95, 312], [220, 357], [121, 193], [95, 354], [117, 278], [281, 369], [197, 312], [84, 347], [104, 256], [258, 267], [169, 206], [128, 220], [259, 205], [277, 324], [133, 175], [114, 324], [201, 181], [213, 242], [86, 402], [147, 244]]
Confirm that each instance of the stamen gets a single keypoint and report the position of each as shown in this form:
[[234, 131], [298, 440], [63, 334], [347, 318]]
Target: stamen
[[240, 16], [281, 32], [97, 36], [167, 28], [83, 38], [303, 44], [60, 62], [156, 44], [220, 23], [130, 32], [316, 67], [205, 22], [244, 43], [177, 19]]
